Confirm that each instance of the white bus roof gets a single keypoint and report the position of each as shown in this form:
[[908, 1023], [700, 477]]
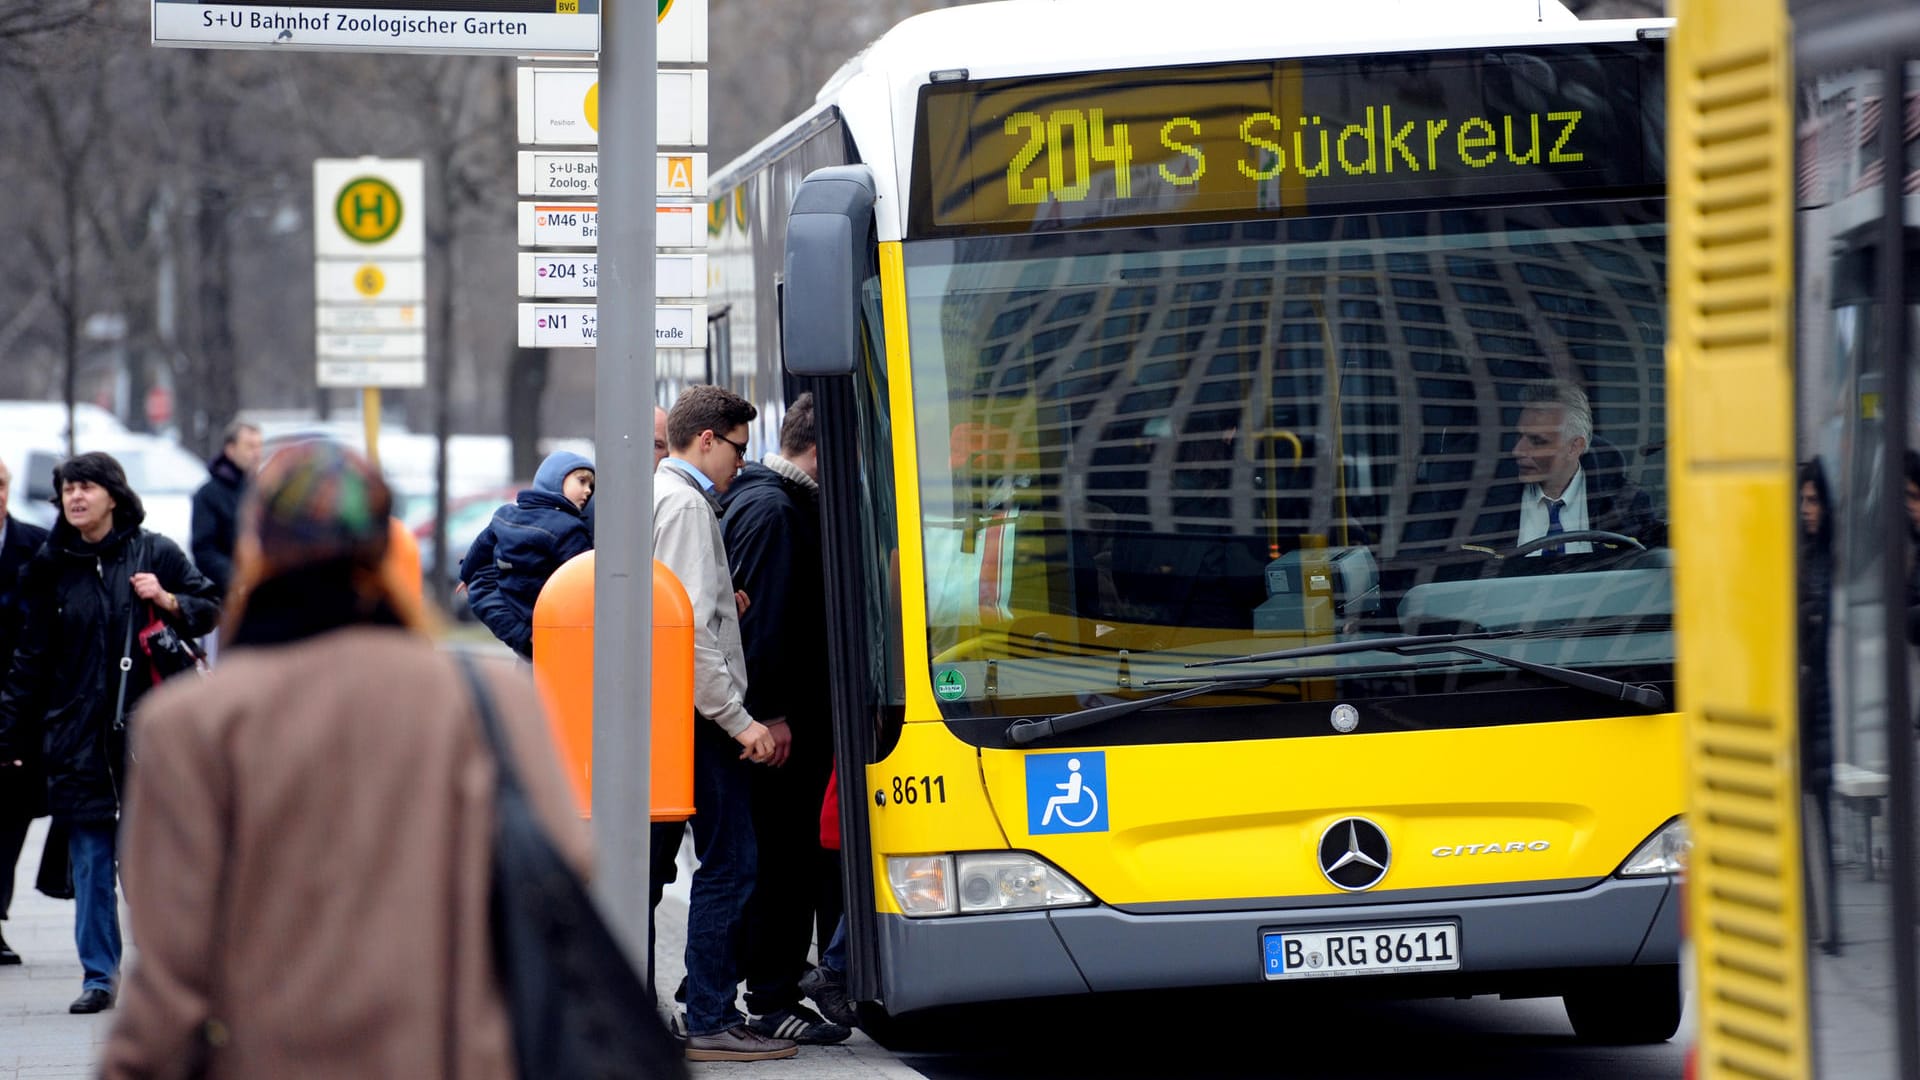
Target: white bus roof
[[1037, 37]]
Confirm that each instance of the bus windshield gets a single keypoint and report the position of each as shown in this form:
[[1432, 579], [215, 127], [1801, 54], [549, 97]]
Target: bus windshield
[[1145, 449]]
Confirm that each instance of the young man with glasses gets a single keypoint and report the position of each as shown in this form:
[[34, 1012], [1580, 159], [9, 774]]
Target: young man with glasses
[[707, 444]]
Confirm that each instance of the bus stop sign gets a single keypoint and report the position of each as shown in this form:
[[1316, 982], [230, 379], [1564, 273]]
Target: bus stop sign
[[503, 27]]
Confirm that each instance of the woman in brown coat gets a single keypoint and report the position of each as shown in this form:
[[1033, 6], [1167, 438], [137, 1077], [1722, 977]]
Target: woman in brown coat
[[307, 845]]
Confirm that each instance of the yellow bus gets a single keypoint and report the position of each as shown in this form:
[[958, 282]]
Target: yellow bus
[[1243, 432], [1794, 257]]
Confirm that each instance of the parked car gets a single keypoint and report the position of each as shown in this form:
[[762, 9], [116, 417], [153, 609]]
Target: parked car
[[163, 472]]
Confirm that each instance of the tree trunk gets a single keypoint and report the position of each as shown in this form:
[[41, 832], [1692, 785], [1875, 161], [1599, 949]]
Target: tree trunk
[[440, 345], [526, 394], [70, 308], [209, 395]]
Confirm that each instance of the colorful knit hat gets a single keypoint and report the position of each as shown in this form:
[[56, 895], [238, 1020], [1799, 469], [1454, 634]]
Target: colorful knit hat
[[317, 501]]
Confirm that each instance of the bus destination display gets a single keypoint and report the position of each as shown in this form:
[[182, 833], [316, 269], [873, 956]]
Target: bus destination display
[[1286, 136]]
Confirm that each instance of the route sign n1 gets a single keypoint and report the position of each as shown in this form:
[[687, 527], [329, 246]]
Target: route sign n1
[[510, 27], [577, 326], [368, 208]]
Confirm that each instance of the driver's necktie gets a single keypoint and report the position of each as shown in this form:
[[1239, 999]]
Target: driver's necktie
[[1554, 528]]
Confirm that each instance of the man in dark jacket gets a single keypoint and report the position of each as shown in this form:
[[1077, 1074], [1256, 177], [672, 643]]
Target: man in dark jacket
[[218, 500], [1568, 480], [80, 670], [527, 540], [772, 530], [23, 791]]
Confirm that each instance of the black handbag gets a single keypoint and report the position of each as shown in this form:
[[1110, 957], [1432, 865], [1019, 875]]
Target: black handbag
[[576, 1006], [56, 867], [168, 651]]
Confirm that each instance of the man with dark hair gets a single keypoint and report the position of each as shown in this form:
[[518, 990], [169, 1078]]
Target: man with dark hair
[[707, 436], [23, 797], [79, 672], [218, 501], [772, 529]]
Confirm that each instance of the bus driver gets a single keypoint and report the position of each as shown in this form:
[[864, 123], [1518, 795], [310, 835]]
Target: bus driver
[[1570, 483]]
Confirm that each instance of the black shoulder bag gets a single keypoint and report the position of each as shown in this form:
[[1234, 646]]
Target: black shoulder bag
[[168, 651], [576, 1006]]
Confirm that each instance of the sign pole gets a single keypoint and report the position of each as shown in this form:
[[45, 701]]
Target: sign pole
[[370, 417], [623, 442]]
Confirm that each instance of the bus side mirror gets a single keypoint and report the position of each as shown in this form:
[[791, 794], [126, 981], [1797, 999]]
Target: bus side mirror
[[829, 232]]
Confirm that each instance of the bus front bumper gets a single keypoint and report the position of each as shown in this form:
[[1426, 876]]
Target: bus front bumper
[[1507, 943]]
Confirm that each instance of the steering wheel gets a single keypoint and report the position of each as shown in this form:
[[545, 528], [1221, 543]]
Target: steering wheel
[[1576, 536]]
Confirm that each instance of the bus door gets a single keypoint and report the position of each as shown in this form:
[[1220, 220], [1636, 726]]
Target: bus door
[[1857, 508]]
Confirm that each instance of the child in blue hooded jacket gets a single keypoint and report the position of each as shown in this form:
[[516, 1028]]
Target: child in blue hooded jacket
[[527, 540]]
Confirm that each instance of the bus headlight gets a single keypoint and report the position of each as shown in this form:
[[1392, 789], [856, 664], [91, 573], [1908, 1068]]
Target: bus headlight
[[973, 884], [1665, 852], [1003, 882]]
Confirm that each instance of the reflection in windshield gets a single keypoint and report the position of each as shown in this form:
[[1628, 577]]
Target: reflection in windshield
[[1200, 442]]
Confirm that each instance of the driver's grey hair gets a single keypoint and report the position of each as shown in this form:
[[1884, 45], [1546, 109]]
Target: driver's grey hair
[[1576, 415]]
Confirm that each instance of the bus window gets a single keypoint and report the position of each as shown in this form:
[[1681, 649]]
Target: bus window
[[1128, 442]]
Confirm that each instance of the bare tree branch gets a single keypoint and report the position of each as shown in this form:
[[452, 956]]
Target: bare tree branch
[[25, 18]]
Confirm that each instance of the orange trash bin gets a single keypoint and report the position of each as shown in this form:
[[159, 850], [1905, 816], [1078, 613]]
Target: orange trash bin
[[403, 560], [563, 670]]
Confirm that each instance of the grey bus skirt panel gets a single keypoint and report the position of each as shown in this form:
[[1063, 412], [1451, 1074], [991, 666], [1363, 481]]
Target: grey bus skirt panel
[[1507, 944]]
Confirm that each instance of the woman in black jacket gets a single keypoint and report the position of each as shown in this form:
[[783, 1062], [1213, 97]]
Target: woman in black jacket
[[1816, 687], [80, 670]]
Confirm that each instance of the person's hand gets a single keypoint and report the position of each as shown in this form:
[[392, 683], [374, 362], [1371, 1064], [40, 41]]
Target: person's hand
[[757, 742], [147, 587], [782, 741], [740, 602]]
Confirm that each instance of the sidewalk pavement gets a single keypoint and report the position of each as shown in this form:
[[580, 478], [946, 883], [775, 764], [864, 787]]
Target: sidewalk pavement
[[859, 1058], [40, 1040], [1853, 996]]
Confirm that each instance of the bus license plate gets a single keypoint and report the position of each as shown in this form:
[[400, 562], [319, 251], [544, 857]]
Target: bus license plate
[[1369, 950]]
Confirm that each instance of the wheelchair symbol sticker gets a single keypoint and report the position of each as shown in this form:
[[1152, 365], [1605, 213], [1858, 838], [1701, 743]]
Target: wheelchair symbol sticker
[[1067, 793]]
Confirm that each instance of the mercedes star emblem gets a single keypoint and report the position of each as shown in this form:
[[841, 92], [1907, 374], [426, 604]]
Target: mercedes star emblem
[[1354, 854]]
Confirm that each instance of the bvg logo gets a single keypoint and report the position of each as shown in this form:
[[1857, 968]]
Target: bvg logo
[[1067, 793]]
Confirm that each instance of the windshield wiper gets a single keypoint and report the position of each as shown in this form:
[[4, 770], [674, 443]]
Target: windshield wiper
[[1427, 644], [1341, 648], [1030, 730]]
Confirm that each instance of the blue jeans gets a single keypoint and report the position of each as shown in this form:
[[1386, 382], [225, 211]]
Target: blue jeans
[[96, 917], [722, 883], [835, 958]]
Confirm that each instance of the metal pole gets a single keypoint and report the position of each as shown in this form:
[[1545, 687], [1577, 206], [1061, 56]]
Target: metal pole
[[370, 420], [623, 443], [1895, 533]]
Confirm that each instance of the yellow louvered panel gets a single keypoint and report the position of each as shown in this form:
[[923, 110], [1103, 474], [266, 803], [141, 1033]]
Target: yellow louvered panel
[[1731, 175]]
